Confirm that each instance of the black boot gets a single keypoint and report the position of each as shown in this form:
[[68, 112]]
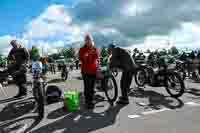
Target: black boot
[[20, 95], [22, 91], [89, 105], [123, 100]]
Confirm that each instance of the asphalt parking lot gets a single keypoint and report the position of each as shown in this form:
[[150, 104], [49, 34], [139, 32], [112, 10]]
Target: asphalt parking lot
[[150, 111]]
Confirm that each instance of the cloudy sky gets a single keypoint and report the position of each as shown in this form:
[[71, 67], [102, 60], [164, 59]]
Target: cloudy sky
[[50, 24]]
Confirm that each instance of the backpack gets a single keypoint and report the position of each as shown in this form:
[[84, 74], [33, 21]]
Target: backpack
[[53, 94]]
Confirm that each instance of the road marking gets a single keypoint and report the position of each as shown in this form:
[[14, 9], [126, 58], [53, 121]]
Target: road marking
[[21, 130], [192, 104], [154, 111], [60, 131], [77, 118], [2, 89], [157, 111], [142, 104], [133, 116], [147, 113], [88, 117], [102, 114]]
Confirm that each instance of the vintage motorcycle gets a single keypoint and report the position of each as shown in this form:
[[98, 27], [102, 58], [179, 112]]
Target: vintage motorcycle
[[181, 68], [162, 77]]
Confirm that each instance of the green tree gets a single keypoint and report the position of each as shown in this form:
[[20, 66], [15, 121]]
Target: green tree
[[104, 52], [68, 52], [163, 52], [148, 51], [64, 52], [71, 53], [55, 56], [34, 53], [174, 50], [136, 50], [104, 56], [1, 58], [50, 59]]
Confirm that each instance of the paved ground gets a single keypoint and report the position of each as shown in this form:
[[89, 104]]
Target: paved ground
[[149, 111]]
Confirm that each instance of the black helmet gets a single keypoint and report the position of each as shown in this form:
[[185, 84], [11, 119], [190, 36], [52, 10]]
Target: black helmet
[[112, 45]]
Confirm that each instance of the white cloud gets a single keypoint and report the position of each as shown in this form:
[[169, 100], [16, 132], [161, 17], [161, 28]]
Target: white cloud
[[56, 13], [107, 31], [135, 8], [153, 43], [155, 23], [54, 21], [46, 47], [185, 36], [5, 44]]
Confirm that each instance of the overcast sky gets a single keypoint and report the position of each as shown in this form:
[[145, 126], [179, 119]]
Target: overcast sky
[[130, 23]]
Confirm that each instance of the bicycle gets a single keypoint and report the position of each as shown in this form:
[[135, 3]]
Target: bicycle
[[3, 78], [107, 83]]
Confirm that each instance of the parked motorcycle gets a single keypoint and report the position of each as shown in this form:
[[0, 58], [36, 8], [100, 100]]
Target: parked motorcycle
[[164, 77]]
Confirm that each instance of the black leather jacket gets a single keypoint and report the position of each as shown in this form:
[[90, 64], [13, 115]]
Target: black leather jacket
[[20, 55], [122, 59]]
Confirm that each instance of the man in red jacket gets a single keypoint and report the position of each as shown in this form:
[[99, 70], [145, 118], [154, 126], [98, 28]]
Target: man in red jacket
[[88, 56]]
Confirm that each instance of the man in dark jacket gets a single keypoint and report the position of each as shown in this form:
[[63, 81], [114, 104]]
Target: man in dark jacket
[[122, 59], [17, 68]]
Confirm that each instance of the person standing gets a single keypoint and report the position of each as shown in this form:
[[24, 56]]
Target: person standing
[[20, 57], [77, 64], [88, 56], [44, 61], [121, 59], [54, 68], [51, 68]]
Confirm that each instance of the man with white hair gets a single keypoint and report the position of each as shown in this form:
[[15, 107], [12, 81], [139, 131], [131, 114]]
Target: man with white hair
[[19, 56]]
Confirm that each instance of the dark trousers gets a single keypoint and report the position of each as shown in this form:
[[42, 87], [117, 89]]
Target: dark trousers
[[77, 66], [18, 72], [198, 68], [54, 70], [125, 83], [89, 83], [51, 69]]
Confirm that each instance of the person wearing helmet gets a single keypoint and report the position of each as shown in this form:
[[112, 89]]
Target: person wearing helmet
[[121, 59]]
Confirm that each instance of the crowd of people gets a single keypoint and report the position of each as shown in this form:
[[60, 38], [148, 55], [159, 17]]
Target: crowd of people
[[19, 58], [119, 58]]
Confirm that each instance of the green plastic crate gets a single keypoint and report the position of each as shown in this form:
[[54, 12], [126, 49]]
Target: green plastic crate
[[72, 100]]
